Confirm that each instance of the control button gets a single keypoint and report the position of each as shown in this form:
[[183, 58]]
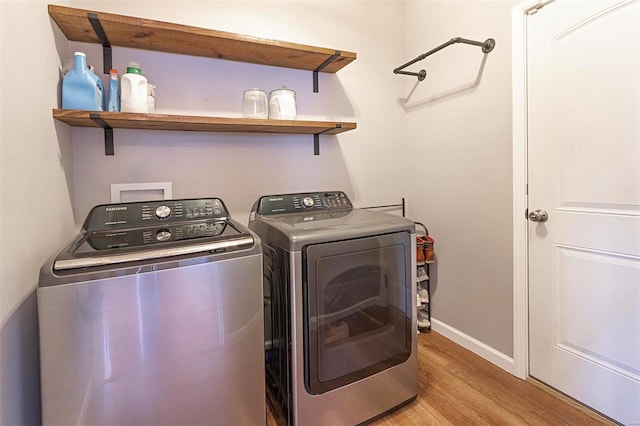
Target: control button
[[163, 234], [307, 201], [163, 212]]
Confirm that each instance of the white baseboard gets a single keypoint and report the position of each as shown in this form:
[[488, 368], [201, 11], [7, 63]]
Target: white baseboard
[[487, 352]]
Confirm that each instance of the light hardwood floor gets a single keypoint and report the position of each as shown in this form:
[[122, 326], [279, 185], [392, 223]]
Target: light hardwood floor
[[457, 387]]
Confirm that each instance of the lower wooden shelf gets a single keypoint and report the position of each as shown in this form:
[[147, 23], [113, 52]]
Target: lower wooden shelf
[[193, 123], [144, 121]]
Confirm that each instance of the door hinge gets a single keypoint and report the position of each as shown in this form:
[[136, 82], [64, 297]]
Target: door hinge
[[535, 8]]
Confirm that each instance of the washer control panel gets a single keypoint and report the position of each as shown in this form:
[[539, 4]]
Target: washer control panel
[[130, 215], [303, 202]]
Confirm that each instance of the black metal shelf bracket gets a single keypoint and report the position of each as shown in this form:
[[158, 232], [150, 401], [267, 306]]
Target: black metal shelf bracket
[[102, 36], [108, 133], [330, 59], [487, 46], [316, 138]]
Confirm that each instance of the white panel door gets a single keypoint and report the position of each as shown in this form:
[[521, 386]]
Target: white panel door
[[584, 170]]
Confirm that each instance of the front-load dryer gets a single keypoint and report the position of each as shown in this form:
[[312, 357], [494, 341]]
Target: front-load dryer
[[153, 315], [340, 328]]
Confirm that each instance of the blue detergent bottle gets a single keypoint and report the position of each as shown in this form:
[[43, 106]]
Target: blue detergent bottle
[[102, 94], [114, 92], [81, 88]]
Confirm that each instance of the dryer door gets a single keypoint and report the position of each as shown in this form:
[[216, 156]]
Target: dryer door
[[357, 300]]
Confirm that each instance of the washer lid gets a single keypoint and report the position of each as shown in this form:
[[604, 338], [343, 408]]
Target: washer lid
[[101, 248]]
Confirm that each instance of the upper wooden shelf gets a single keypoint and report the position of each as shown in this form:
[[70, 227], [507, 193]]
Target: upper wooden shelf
[[131, 120], [161, 36]]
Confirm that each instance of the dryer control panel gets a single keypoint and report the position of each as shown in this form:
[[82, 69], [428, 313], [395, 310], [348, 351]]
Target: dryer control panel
[[302, 202]]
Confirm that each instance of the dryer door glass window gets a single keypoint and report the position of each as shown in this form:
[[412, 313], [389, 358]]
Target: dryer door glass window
[[357, 318]]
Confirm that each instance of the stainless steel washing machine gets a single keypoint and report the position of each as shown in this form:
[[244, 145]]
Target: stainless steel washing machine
[[340, 327], [153, 315]]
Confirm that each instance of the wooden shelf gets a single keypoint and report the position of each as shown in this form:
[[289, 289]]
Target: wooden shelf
[[161, 36], [117, 30], [130, 120]]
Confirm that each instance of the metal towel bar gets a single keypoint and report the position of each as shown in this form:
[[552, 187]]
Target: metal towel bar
[[487, 46]]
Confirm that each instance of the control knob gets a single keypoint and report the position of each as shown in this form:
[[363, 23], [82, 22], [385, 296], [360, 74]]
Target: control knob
[[163, 234], [163, 212], [307, 201]]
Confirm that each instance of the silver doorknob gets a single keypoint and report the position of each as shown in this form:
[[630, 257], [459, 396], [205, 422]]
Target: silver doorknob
[[538, 216]]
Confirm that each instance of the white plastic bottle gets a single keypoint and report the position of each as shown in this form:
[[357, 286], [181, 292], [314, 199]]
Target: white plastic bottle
[[133, 90]]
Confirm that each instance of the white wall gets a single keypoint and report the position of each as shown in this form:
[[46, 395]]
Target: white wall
[[367, 162], [36, 167], [36, 184], [459, 135]]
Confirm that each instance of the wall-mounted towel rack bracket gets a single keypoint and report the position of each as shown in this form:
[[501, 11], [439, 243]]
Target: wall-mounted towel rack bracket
[[422, 74], [487, 46], [102, 36]]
